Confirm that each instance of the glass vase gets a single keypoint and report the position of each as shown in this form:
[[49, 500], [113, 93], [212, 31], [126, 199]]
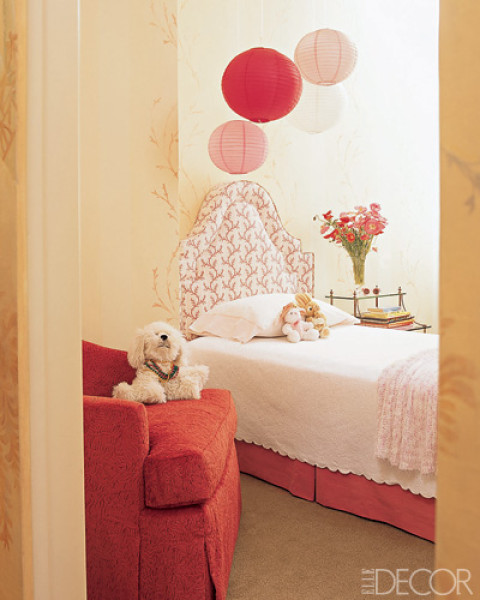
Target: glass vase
[[358, 269]]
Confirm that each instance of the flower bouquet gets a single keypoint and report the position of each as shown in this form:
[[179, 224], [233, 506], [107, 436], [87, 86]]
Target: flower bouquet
[[355, 231]]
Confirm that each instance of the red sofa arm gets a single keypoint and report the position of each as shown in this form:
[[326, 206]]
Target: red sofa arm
[[116, 443], [103, 368]]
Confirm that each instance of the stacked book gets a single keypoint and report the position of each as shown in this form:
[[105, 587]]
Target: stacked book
[[392, 317]]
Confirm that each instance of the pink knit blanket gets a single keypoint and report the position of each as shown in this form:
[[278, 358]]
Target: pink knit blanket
[[407, 413]]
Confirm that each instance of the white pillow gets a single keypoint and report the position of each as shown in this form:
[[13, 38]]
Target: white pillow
[[259, 315]]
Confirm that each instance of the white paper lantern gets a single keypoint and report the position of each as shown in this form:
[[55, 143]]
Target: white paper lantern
[[320, 107]]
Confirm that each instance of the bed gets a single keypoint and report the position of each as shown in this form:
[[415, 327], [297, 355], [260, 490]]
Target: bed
[[307, 412]]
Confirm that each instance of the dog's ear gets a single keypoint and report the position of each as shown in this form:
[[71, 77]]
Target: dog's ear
[[182, 359], [136, 354]]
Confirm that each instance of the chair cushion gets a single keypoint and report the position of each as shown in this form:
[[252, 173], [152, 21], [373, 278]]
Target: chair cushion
[[189, 444]]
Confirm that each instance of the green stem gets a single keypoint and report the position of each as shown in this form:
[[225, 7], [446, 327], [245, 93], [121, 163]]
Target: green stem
[[358, 269]]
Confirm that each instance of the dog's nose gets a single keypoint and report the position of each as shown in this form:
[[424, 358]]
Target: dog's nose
[[164, 337]]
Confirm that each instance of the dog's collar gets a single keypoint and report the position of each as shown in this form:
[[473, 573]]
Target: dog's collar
[[174, 369]]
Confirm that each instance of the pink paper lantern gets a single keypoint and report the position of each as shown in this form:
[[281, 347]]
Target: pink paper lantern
[[238, 147], [261, 85], [325, 56]]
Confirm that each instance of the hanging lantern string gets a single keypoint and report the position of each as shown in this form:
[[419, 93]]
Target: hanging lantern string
[[261, 23], [238, 26]]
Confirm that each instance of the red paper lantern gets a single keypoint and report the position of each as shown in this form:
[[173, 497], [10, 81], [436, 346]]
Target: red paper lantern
[[261, 85], [325, 56], [238, 147]]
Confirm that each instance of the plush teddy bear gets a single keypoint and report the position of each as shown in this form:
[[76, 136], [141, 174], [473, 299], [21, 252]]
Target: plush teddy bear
[[313, 314], [295, 328]]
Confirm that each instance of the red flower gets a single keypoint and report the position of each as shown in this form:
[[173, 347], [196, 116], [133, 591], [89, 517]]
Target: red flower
[[328, 215], [350, 236], [345, 219]]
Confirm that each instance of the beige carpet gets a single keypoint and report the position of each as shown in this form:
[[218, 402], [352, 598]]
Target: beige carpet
[[291, 549]]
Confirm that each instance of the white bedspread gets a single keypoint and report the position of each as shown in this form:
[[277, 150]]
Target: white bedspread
[[315, 401]]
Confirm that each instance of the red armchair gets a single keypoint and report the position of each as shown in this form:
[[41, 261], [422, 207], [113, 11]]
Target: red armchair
[[162, 489]]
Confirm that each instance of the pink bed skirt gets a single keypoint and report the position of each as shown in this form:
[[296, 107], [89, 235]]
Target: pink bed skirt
[[350, 493]]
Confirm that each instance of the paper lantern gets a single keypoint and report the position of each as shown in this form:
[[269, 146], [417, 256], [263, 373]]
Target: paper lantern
[[320, 107], [238, 147], [261, 85], [325, 56]]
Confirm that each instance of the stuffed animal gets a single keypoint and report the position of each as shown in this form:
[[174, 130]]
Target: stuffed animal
[[313, 314], [158, 354], [295, 328]]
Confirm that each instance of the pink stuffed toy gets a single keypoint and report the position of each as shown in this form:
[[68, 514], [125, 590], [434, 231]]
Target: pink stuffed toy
[[294, 327]]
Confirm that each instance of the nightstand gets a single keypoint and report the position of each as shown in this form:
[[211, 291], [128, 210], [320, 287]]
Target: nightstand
[[399, 295]]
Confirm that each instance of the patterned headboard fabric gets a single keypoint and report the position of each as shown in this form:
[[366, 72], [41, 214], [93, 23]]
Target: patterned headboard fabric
[[237, 248]]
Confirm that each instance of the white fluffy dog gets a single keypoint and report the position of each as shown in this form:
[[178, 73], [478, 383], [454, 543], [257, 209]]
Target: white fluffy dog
[[158, 354]]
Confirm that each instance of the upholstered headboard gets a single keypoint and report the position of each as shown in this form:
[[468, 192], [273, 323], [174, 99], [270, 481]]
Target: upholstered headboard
[[238, 247]]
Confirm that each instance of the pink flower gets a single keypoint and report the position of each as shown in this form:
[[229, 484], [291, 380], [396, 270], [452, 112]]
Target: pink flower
[[375, 250], [373, 227], [360, 221], [375, 207], [324, 229], [360, 209]]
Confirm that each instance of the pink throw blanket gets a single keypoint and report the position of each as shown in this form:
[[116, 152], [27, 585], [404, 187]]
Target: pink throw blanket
[[407, 413]]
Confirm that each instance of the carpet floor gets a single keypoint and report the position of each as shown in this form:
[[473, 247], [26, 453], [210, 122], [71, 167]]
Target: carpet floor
[[291, 549]]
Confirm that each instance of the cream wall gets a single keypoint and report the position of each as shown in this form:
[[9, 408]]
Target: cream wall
[[384, 150], [143, 62], [128, 165]]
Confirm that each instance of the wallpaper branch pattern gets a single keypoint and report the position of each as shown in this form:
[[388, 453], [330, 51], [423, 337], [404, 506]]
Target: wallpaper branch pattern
[[168, 300], [166, 21], [8, 105], [12, 432], [471, 171], [9, 432], [457, 387], [164, 137], [9, 426], [166, 141]]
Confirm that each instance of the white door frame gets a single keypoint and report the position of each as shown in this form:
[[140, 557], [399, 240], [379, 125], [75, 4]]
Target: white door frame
[[54, 310]]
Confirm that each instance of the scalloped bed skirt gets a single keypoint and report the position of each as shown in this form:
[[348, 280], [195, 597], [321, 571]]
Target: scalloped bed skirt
[[351, 493]]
